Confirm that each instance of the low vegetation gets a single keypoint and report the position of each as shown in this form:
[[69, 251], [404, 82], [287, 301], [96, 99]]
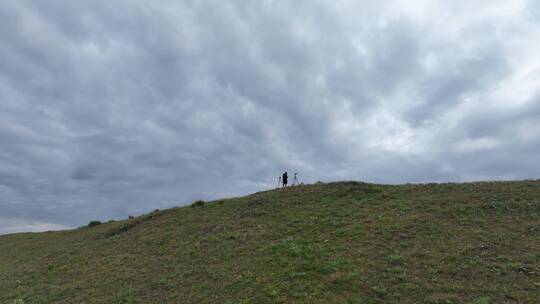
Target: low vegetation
[[343, 242], [197, 204], [94, 223]]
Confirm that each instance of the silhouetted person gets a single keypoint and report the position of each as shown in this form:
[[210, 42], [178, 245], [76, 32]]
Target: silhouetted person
[[284, 179]]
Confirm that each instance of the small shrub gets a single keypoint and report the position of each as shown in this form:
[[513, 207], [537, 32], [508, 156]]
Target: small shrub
[[94, 223], [198, 203]]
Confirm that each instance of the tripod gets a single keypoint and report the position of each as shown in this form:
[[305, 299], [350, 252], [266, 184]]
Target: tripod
[[295, 181]]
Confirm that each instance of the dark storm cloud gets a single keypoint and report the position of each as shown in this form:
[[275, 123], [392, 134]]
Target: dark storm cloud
[[116, 108]]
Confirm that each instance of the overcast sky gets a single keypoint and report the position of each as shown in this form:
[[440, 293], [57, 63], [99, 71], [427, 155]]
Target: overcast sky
[[113, 108]]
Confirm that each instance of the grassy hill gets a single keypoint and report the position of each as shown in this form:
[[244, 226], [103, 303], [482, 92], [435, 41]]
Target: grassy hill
[[343, 242]]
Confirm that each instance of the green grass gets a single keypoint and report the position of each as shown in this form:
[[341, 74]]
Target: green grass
[[343, 242]]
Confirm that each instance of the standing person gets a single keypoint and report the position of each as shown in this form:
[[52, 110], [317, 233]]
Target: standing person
[[284, 179]]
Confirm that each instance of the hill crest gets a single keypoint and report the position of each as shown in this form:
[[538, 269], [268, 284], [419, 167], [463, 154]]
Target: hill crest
[[345, 242]]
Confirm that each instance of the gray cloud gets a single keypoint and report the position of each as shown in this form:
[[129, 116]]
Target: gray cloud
[[13, 225], [110, 109]]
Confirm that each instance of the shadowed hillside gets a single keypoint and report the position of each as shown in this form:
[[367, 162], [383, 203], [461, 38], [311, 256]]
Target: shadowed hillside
[[343, 242]]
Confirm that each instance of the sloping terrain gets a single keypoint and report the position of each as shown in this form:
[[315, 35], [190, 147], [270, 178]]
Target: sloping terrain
[[342, 242]]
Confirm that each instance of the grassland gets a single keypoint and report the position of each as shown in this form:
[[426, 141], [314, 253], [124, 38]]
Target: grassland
[[343, 242]]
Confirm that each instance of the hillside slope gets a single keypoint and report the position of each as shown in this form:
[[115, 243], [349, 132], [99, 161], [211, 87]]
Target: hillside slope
[[343, 242]]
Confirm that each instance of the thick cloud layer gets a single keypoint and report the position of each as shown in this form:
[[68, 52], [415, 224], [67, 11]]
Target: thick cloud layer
[[116, 108]]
